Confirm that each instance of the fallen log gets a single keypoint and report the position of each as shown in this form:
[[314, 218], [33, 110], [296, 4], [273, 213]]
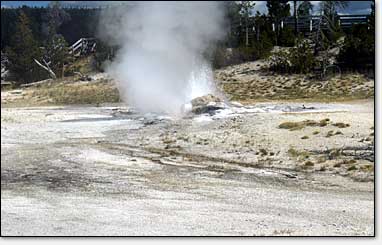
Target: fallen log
[[37, 83]]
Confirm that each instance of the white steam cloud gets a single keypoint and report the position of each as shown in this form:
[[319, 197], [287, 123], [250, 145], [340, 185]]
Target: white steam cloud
[[161, 62]]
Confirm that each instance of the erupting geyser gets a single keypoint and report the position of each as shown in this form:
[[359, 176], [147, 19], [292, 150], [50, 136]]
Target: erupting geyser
[[161, 62]]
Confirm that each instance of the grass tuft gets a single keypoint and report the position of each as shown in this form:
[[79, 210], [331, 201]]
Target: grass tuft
[[309, 164], [341, 125], [291, 125]]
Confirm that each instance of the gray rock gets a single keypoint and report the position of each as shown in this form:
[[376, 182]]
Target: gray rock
[[207, 104]]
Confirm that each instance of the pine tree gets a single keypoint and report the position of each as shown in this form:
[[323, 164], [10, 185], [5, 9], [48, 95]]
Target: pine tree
[[304, 8], [371, 20], [56, 53], [22, 52], [246, 8], [278, 10]]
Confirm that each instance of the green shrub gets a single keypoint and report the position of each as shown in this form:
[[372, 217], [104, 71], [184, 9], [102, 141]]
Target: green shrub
[[299, 59], [358, 49], [280, 61], [287, 37]]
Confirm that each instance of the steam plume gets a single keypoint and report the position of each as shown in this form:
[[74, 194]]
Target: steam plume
[[161, 61]]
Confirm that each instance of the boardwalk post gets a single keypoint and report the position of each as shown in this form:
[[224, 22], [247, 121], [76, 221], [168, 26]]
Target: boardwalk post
[[311, 25]]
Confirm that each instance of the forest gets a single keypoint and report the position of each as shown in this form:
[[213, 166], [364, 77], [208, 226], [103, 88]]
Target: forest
[[31, 33]]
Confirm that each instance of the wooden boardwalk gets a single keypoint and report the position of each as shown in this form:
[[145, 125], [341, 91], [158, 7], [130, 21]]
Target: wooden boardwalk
[[310, 23]]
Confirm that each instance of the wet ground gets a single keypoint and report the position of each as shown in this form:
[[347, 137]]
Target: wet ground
[[112, 171]]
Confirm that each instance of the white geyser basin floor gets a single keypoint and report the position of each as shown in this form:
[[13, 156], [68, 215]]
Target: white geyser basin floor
[[79, 170]]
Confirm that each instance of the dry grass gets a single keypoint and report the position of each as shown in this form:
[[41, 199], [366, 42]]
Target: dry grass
[[309, 164], [330, 134], [352, 168], [341, 125], [291, 125], [300, 155], [367, 168], [351, 161], [78, 93], [337, 165], [300, 125], [242, 86], [263, 152]]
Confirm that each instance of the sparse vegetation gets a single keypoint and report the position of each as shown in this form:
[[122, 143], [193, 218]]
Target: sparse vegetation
[[291, 125], [300, 125], [337, 165], [338, 133], [341, 125], [351, 161], [324, 122], [300, 155], [309, 164], [263, 152], [330, 134], [335, 153], [78, 93], [367, 168], [271, 87]]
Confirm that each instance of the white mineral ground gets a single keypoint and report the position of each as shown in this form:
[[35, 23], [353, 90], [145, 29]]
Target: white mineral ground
[[107, 171]]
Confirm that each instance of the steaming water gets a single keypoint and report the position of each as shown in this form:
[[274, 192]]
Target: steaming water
[[161, 64], [234, 111], [200, 82]]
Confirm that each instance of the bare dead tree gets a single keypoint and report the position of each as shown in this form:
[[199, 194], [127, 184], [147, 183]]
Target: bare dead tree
[[47, 68]]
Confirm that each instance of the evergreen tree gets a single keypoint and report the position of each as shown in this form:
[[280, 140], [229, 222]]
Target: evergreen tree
[[22, 52], [304, 8], [246, 8], [371, 20], [278, 10], [329, 9], [56, 53], [232, 14], [358, 51], [54, 17], [329, 13]]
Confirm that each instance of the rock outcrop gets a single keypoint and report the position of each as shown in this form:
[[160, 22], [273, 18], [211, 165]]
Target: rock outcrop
[[207, 104]]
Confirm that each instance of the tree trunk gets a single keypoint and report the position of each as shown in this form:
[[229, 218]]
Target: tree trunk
[[277, 31], [295, 16], [258, 33], [246, 37], [47, 68]]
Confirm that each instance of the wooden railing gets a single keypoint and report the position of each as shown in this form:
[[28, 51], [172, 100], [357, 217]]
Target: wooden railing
[[310, 23], [83, 46]]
